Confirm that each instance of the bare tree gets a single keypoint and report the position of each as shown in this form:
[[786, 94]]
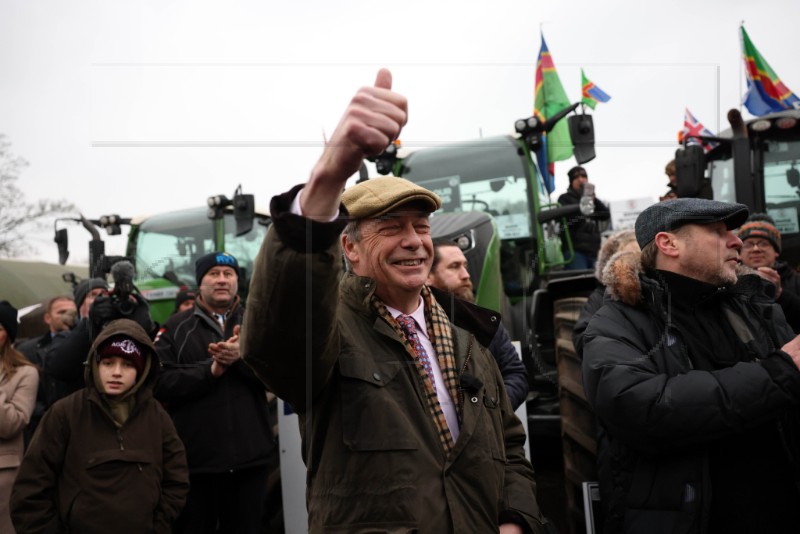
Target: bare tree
[[17, 216]]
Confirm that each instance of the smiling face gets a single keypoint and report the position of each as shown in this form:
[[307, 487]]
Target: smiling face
[[709, 253], [396, 251], [758, 252], [218, 288], [117, 375]]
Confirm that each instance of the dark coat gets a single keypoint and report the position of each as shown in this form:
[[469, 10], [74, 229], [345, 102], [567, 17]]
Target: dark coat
[[659, 417], [790, 294], [489, 331], [224, 421], [589, 308], [63, 361], [375, 462], [83, 474], [50, 388], [583, 230]]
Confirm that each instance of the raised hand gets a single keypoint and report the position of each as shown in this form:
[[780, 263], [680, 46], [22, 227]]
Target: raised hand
[[373, 120]]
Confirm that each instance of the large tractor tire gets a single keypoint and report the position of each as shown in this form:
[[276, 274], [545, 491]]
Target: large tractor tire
[[577, 419]]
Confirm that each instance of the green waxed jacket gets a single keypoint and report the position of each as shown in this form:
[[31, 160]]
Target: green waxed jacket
[[375, 463]]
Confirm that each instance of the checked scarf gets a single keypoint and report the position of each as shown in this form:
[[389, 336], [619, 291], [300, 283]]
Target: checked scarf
[[439, 331]]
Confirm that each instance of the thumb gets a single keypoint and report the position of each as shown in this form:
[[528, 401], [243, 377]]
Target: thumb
[[384, 79], [236, 330]]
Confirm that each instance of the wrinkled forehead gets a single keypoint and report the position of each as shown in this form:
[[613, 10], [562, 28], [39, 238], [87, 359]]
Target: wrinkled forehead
[[221, 269]]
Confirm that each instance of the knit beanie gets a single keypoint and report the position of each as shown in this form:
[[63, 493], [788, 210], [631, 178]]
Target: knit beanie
[[207, 262], [576, 171], [8, 318], [84, 287], [184, 294], [761, 225], [124, 347]]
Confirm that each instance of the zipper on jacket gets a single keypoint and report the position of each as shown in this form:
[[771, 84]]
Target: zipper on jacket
[[119, 439]]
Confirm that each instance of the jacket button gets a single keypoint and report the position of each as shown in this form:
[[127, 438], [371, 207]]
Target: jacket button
[[376, 376], [474, 400], [494, 318]]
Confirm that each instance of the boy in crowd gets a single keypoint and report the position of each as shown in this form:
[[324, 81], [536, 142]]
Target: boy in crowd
[[106, 458]]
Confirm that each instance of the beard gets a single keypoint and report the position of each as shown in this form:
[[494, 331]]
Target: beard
[[464, 293]]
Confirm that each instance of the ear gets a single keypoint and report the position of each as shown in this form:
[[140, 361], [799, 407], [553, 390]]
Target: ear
[[430, 279], [47, 319], [667, 244], [349, 250]]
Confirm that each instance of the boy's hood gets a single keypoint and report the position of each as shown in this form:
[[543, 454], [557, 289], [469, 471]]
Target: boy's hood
[[134, 331]]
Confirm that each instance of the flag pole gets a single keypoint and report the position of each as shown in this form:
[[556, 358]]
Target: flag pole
[[741, 61]]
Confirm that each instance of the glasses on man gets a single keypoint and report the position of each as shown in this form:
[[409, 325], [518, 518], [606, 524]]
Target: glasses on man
[[762, 244]]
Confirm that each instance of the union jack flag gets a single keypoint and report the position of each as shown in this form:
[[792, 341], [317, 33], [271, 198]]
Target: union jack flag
[[691, 126]]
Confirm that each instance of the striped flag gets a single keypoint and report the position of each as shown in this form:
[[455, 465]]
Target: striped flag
[[549, 99], [590, 93], [691, 126], [766, 93]]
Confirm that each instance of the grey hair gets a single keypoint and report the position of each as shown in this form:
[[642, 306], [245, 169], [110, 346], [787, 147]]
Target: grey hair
[[352, 231]]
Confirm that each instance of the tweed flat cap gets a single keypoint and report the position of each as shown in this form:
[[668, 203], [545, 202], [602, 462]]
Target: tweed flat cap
[[672, 214], [378, 196]]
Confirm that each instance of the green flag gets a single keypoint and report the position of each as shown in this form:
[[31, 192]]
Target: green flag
[[549, 99]]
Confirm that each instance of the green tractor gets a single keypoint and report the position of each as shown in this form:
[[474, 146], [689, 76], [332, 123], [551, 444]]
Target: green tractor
[[163, 247], [753, 163]]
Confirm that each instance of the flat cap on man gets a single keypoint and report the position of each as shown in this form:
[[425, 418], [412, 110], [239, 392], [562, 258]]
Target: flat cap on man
[[378, 196], [672, 214]]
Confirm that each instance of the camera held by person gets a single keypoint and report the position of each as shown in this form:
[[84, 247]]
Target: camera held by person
[[123, 302]]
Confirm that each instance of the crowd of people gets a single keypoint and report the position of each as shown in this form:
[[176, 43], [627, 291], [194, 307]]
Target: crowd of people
[[404, 388]]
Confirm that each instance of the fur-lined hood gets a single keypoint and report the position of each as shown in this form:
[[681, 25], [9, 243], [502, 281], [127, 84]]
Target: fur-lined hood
[[622, 278]]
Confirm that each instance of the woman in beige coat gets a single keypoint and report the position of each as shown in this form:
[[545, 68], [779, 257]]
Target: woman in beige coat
[[19, 381]]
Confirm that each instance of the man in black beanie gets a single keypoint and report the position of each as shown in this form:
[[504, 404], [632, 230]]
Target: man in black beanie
[[583, 229], [86, 292], [218, 405]]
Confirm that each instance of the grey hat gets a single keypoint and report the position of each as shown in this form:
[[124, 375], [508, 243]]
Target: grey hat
[[672, 214]]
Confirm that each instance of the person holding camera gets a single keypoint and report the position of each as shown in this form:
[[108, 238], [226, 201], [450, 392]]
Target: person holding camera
[[97, 307], [218, 405]]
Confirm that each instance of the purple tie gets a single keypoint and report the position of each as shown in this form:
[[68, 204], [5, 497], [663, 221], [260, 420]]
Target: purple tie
[[406, 323]]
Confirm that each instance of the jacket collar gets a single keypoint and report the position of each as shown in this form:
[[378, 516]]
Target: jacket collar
[[627, 282]]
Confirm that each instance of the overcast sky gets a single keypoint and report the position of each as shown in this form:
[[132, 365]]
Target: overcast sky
[[148, 106]]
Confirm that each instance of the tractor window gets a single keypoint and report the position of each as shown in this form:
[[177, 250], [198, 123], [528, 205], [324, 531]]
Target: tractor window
[[782, 183], [722, 180], [504, 197], [171, 243], [244, 248]]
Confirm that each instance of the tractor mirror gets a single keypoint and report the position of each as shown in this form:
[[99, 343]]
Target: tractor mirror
[[62, 240], [690, 166]]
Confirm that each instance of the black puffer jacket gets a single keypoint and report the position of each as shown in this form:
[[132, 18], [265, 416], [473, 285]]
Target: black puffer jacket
[[224, 421], [662, 420]]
